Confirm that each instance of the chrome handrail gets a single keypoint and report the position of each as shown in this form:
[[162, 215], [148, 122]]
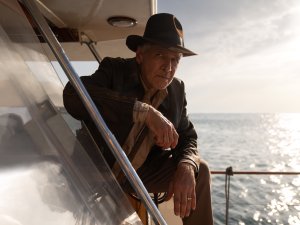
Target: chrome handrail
[[93, 111], [217, 172]]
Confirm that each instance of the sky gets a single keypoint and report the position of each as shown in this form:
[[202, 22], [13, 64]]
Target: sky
[[248, 54]]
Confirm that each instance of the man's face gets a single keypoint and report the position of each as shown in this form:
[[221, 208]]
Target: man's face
[[158, 65]]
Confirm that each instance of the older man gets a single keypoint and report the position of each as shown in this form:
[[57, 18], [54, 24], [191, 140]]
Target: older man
[[144, 105]]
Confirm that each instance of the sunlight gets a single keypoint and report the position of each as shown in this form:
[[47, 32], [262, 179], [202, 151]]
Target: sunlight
[[286, 130], [35, 189], [288, 126], [290, 121], [287, 196], [294, 220]]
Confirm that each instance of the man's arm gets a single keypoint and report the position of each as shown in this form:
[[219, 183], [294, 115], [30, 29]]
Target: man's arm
[[186, 150], [110, 103], [188, 161], [183, 185], [105, 88]]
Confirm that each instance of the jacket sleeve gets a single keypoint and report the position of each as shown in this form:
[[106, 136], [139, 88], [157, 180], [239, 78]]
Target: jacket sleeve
[[186, 149], [107, 101]]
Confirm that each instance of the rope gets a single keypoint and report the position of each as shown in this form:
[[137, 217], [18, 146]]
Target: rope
[[229, 172]]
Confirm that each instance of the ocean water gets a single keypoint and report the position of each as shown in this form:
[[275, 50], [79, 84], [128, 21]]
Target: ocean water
[[253, 142]]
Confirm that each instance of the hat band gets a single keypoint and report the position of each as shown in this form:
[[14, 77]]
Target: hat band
[[166, 40]]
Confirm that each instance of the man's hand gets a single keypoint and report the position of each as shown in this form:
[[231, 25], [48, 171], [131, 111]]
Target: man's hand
[[165, 134], [183, 189]]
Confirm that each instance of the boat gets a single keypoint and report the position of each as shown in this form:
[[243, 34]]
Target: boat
[[42, 180]]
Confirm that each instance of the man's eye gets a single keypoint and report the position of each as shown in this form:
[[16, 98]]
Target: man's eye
[[176, 60]]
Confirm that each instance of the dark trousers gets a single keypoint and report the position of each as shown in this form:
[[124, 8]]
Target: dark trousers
[[157, 176]]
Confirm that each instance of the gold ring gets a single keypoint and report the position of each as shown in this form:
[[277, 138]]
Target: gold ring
[[189, 199]]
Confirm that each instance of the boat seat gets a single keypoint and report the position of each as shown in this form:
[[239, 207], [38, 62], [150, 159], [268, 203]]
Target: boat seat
[[140, 208]]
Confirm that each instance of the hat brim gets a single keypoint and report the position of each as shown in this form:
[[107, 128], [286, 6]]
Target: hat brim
[[133, 41]]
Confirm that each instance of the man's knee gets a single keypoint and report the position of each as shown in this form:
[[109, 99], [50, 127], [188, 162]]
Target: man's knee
[[204, 172]]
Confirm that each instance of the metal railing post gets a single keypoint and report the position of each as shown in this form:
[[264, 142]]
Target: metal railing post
[[93, 111], [91, 45], [92, 48]]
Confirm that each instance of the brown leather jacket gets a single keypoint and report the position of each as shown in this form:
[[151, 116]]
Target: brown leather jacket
[[114, 88]]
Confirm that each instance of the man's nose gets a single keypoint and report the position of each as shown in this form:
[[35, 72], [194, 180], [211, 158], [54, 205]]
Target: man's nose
[[168, 66]]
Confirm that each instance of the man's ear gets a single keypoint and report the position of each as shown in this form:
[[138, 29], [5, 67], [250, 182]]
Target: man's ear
[[139, 56]]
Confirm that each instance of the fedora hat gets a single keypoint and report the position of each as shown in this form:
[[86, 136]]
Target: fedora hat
[[162, 29]]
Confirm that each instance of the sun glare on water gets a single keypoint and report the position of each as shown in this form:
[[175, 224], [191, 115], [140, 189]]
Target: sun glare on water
[[286, 188], [289, 134]]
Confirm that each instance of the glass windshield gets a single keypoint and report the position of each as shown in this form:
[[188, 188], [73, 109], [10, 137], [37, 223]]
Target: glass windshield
[[46, 176]]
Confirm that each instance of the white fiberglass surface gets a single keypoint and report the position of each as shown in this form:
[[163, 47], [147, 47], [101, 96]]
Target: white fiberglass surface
[[42, 180]]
